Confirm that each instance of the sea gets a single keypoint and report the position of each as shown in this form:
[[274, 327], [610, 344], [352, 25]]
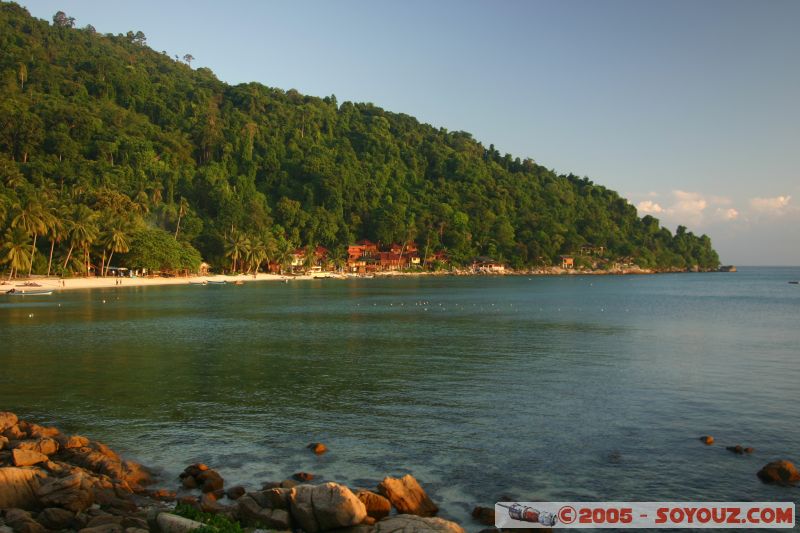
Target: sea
[[486, 389]]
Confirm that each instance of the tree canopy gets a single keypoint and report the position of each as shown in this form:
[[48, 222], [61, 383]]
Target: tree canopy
[[102, 132]]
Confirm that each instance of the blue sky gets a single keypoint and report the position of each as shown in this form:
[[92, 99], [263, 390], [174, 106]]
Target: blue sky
[[688, 109]]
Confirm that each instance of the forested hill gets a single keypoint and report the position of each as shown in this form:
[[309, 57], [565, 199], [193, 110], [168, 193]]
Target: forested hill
[[102, 140]]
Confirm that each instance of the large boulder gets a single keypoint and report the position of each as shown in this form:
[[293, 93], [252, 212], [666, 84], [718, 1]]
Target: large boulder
[[377, 506], [779, 472], [18, 487], [171, 523], [254, 510], [46, 446], [404, 523], [27, 457], [407, 496], [72, 441], [327, 506], [22, 522], [101, 460], [73, 492]]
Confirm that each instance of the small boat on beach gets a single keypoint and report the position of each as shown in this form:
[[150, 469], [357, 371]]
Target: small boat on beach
[[15, 292], [223, 282], [197, 283]]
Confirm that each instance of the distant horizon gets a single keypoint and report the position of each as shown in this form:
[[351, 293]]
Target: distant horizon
[[695, 125]]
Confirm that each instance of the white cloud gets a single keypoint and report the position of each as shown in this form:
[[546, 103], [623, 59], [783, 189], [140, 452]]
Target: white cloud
[[727, 214], [776, 205], [649, 207]]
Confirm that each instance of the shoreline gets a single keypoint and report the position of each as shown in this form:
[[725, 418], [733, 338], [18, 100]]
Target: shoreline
[[83, 283]]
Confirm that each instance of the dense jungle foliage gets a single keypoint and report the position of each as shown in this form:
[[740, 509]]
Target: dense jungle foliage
[[112, 153]]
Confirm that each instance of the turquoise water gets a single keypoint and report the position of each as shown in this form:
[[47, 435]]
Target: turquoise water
[[485, 389]]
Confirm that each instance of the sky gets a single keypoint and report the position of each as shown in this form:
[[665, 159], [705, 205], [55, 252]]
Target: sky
[[688, 109]]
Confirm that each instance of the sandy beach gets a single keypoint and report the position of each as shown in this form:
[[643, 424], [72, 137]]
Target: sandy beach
[[67, 284]]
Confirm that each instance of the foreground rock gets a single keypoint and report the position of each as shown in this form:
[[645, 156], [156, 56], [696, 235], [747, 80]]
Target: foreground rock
[[407, 496], [18, 487], [404, 523], [377, 506], [708, 440], [779, 472], [268, 508], [324, 507], [484, 515], [202, 477], [317, 447]]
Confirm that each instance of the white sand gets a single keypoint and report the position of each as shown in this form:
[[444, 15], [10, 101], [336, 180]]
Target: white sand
[[111, 282]]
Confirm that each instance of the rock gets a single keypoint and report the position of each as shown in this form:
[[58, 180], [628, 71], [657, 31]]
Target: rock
[[288, 484], [46, 446], [210, 480], [72, 492], [738, 449], [377, 506], [22, 522], [779, 472], [416, 524], [35, 431], [407, 496], [104, 528], [100, 460], [271, 485], [134, 522], [109, 499], [303, 476], [7, 419], [163, 495], [136, 530], [234, 493], [27, 457], [484, 515], [317, 447], [208, 503], [103, 519], [74, 441], [56, 518], [328, 506], [749, 450], [189, 482], [708, 440], [251, 513], [4, 442], [194, 470], [18, 487], [170, 523]]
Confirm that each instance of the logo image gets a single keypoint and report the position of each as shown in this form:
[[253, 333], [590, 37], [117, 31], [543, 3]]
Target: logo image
[[524, 513]]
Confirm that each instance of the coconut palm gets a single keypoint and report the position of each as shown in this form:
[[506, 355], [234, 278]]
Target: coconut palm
[[256, 254], [236, 247], [82, 233], [183, 207], [15, 250], [33, 219], [115, 240], [283, 252], [56, 232]]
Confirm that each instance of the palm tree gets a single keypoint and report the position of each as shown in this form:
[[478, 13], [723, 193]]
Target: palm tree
[[33, 220], [82, 232], [15, 249], [115, 240], [256, 254], [56, 232], [283, 252], [183, 207], [236, 247]]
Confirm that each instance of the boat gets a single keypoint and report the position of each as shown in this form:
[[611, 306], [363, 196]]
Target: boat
[[794, 283], [15, 292], [197, 283], [223, 282]]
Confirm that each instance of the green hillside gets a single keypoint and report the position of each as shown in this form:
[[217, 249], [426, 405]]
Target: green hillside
[[109, 146]]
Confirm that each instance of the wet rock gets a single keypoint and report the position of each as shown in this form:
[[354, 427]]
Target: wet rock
[[72, 492], [4, 442], [109, 499], [303, 476], [416, 524], [208, 503], [484, 515], [708, 440], [234, 493], [328, 506], [101, 460], [377, 506], [194, 470], [46, 446], [18, 487], [163, 495], [104, 519], [271, 485], [189, 482], [7, 419], [317, 447], [104, 528], [27, 457], [56, 518], [288, 484], [779, 472], [407, 496], [749, 450], [210, 480], [35, 431], [134, 522], [738, 449]]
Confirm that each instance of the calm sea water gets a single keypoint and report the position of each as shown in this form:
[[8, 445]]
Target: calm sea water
[[543, 388]]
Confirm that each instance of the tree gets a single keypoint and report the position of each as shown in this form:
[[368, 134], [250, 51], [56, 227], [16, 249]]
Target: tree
[[115, 240], [183, 206], [83, 232], [34, 221], [22, 74], [61, 20], [15, 250], [235, 247], [188, 58]]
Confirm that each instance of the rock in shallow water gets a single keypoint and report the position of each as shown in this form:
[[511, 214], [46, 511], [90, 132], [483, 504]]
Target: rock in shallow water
[[405, 523], [407, 496], [779, 472], [324, 507]]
